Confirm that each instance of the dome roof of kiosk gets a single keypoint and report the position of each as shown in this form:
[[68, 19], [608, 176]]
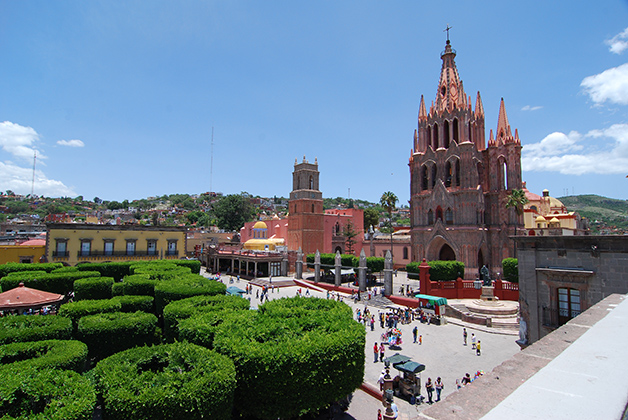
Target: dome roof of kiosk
[[260, 225]]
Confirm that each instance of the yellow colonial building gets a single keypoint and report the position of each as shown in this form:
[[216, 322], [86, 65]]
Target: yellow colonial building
[[545, 215], [72, 243]]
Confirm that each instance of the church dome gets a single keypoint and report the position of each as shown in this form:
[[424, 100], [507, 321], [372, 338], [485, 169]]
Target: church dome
[[260, 225]]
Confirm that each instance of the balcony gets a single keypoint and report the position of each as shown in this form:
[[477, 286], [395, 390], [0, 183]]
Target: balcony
[[98, 253]]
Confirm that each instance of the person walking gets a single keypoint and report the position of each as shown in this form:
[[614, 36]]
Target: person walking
[[381, 352], [464, 336], [439, 388], [375, 352], [420, 340], [415, 331], [477, 349], [429, 387], [372, 322], [472, 341]]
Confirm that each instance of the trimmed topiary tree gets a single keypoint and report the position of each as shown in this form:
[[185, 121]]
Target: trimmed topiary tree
[[61, 283], [193, 265], [93, 288], [169, 381], [18, 267], [46, 394], [446, 270], [117, 270], [20, 328], [139, 284], [184, 287], [130, 303], [76, 310], [292, 356], [510, 268], [109, 333], [179, 310], [53, 354]]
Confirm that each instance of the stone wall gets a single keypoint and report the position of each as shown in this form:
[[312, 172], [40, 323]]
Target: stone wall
[[594, 266]]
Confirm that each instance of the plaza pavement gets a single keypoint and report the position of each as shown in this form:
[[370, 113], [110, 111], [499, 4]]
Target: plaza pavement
[[442, 351]]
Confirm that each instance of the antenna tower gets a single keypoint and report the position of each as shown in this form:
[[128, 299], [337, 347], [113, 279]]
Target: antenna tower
[[211, 163], [33, 183]]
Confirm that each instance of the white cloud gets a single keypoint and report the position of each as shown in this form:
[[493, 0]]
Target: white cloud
[[71, 143], [618, 43], [554, 144], [604, 152], [19, 140], [610, 85], [20, 180], [531, 108]]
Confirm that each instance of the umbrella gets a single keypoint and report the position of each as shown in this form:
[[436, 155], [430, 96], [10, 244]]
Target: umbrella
[[397, 358], [410, 367], [233, 290]]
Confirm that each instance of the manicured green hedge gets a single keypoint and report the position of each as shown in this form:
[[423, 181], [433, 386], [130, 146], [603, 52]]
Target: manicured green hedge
[[117, 289], [65, 270], [170, 381], [93, 288], [184, 287], [109, 333], [16, 267], [139, 284], [117, 270], [17, 328], [439, 270], [61, 283], [193, 265], [179, 310], [510, 268], [292, 356], [47, 394], [375, 264], [54, 354], [76, 310], [130, 303], [160, 270]]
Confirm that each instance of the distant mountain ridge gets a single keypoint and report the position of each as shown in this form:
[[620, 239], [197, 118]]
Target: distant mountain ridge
[[610, 212]]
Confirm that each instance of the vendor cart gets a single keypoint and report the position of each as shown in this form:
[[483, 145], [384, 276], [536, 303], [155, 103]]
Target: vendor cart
[[409, 378]]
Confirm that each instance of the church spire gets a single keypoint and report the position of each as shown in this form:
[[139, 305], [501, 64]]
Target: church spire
[[422, 111], [449, 82], [503, 133]]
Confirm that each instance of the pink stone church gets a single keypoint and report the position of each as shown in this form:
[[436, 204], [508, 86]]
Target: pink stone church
[[458, 183]]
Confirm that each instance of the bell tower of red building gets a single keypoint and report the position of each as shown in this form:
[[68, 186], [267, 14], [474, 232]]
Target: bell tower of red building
[[305, 219]]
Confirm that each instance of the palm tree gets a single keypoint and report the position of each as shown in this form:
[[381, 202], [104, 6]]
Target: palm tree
[[388, 202], [517, 199]]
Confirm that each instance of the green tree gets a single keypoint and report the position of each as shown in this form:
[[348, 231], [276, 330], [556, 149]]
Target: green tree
[[516, 199], [388, 201], [233, 211], [349, 232], [371, 218]]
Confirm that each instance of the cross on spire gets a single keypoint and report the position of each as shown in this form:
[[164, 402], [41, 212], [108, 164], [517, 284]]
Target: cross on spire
[[447, 30]]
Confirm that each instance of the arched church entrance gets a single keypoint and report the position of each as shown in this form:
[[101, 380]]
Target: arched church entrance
[[446, 253]]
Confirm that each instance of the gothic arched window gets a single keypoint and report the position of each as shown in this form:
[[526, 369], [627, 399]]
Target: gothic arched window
[[455, 131], [439, 213], [446, 134], [430, 217], [433, 175], [448, 174], [457, 171], [424, 177], [435, 139], [449, 217]]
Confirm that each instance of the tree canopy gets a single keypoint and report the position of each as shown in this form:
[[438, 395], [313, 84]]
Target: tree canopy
[[233, 211]]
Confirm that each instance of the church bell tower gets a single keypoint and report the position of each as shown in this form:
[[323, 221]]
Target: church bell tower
[[305, 219]]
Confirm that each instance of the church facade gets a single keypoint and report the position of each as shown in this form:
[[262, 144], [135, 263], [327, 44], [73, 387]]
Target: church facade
[[459, 183]]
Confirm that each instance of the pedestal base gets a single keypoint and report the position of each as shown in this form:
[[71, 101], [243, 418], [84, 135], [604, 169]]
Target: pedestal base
[[488, 293]]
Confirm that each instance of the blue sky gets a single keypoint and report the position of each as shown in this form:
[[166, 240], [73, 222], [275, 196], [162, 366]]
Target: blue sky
[[119, 98]]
